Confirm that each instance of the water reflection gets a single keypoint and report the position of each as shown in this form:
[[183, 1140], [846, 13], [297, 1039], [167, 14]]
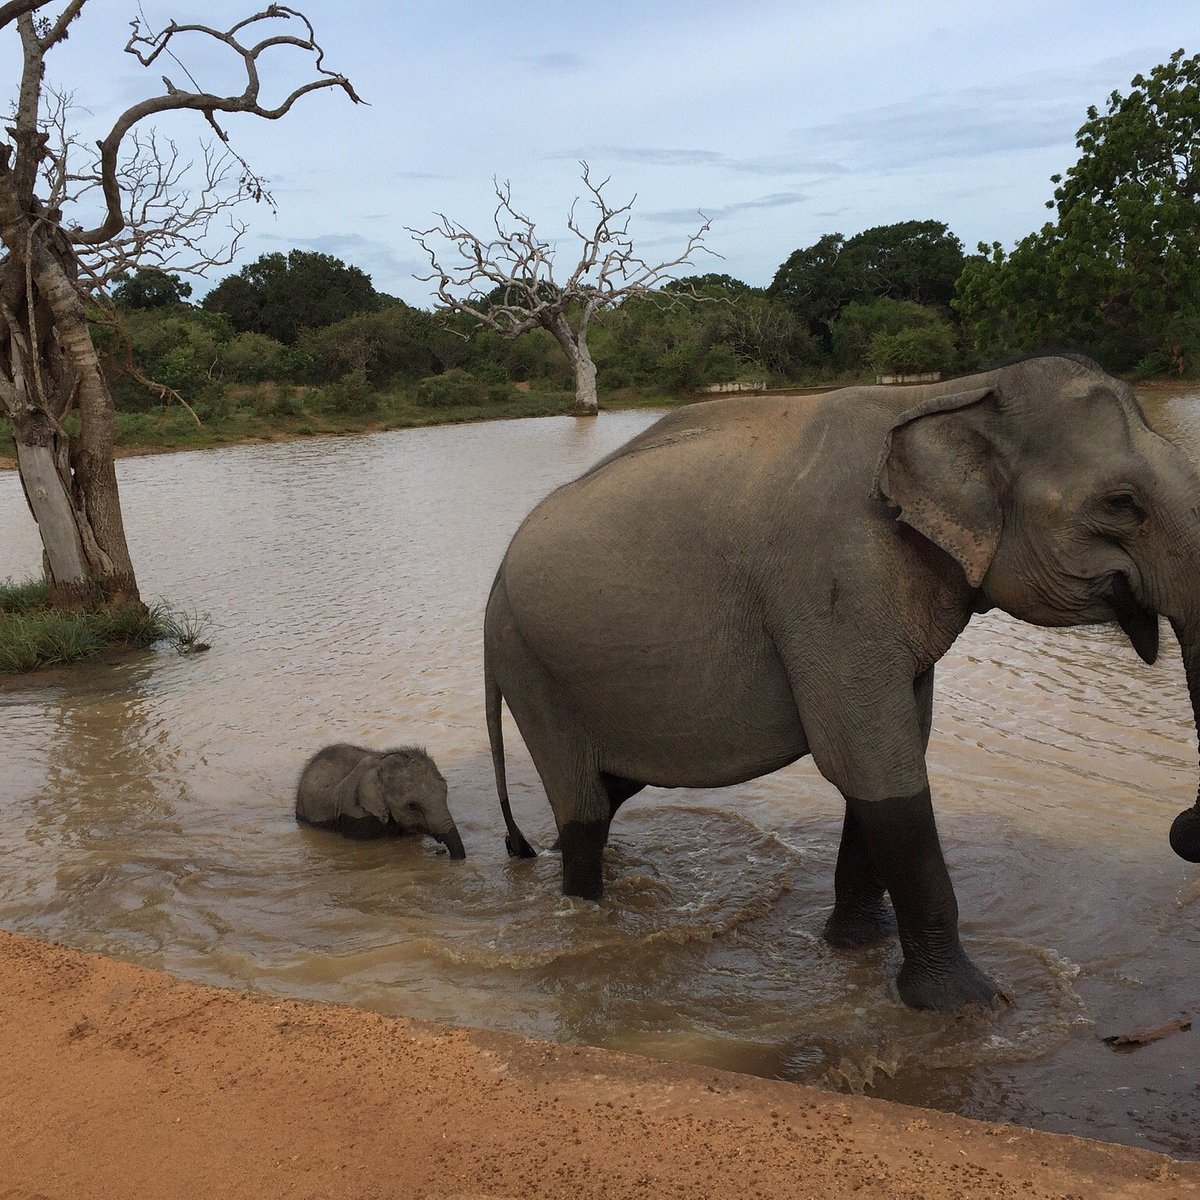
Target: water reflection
[[145, 807]]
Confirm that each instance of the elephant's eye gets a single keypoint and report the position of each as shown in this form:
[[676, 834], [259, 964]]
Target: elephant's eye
[[1123, 505]]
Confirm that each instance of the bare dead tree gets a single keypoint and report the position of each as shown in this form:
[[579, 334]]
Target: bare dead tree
[[136, 208], [506, 283]]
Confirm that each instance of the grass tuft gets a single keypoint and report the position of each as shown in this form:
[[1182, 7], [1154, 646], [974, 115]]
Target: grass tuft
[[34, 635]]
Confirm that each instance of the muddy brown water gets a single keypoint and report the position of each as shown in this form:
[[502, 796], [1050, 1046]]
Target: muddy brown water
[[145, 807]]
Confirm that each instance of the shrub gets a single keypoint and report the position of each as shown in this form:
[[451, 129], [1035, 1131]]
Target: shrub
[[350, 394], [854, 331], [455, 388], [252, 358], [913, 351]]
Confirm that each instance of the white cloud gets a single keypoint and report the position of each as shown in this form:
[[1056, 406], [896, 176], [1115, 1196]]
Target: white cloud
[[846, 115]]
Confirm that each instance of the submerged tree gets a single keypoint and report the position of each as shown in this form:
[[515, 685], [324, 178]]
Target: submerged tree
[[73, 218], [506, 283]]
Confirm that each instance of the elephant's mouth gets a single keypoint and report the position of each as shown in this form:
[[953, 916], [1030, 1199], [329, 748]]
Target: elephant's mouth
[[1139, 623]]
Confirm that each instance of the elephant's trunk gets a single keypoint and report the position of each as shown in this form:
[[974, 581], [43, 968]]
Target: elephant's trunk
[[1185, 831], [451, 840]]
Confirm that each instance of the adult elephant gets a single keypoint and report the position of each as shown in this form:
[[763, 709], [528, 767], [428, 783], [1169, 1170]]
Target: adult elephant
[[752, 580]]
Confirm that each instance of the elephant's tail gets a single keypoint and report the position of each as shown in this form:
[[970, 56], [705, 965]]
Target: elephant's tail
[[514, 841]]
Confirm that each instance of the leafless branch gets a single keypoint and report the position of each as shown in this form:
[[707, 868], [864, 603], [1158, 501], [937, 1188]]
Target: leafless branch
[[148, 47], [169, 207], [507, 282], [56, 32], [18, 8]]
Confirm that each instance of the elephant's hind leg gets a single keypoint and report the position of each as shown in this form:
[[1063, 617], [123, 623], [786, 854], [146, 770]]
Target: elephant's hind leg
[[582, 842], [568, 764], [619, 790]]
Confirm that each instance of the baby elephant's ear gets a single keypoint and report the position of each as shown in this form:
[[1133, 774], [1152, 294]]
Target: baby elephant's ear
[[369, 794], [939, 468]]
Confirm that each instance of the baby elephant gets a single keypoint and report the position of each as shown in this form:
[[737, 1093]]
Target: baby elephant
[[376, 793]]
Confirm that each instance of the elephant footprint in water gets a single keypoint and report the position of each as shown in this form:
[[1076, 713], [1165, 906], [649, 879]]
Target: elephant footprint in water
[[377, 793]]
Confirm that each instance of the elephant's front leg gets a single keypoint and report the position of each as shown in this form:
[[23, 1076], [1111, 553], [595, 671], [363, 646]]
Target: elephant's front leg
[[903, 844], [861, 915], [868, 738]]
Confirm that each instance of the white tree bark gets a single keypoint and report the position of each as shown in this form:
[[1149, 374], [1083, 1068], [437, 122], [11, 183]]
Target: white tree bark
[[51, 508], [586, 402]]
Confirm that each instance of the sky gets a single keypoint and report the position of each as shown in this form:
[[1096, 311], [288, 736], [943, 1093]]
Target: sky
[[778, 120]]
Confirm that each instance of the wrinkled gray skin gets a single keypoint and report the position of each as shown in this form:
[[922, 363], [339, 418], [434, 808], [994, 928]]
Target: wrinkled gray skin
[[376, 793], [753, 580]]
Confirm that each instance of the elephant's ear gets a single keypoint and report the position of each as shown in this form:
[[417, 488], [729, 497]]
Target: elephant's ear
[[350, 794], [939, 468], [371, 793]]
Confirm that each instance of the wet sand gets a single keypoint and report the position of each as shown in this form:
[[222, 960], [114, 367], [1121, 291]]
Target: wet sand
[[122, 1082]]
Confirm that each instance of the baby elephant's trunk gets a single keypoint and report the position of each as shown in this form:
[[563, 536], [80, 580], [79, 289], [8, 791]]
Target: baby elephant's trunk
[[451, 840]]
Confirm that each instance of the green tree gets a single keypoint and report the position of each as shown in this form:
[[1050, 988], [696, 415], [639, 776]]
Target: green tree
[[911, 260], [1118, 272], [281, 294], [817, 283], [767, 336], [918, 261], [150, 287], [649, 343], [711, 283]]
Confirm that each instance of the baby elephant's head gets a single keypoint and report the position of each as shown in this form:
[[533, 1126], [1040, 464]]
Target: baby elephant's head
[[407, 783]]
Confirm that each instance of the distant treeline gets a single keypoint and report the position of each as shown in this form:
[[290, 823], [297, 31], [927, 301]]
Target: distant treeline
[[880, 301], [1116, 275]]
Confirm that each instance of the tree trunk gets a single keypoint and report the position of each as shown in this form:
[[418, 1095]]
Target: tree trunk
[[586, 404], [49, 367], [575, 347], [65, 562]]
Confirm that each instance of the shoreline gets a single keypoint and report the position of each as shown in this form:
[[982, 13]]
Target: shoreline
[[350, 427], [121, 1081]]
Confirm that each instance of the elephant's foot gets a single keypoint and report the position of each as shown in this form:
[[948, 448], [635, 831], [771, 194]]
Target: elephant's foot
[[947, 985], [851, 926], [583, 858]]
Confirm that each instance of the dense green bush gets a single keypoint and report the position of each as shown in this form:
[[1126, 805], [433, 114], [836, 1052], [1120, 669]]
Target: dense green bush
[[395, 343], [914, 351], [179, 347], [350, 394], [855, 330], [253, 358], [455, 388]]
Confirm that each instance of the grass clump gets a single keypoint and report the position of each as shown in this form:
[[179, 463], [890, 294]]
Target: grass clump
[[32, 634]]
